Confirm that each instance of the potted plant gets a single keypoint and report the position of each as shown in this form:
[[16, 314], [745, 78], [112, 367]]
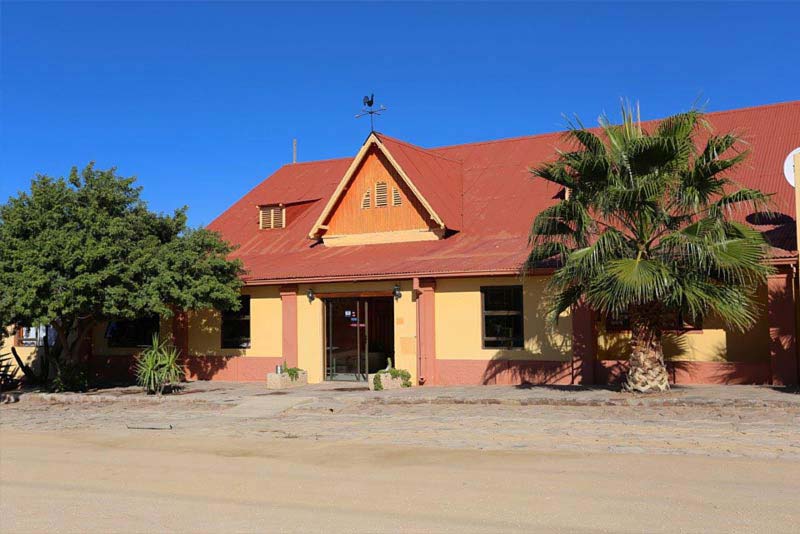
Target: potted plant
[[287, 377], [389, 378]]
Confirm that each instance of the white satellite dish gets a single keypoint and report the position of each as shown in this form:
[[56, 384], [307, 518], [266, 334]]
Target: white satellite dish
[[788, 167]]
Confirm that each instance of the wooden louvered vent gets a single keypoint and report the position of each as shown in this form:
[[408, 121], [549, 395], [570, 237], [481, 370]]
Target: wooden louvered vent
[[366, 200], [396, 199], [381, 195], [271, 217]]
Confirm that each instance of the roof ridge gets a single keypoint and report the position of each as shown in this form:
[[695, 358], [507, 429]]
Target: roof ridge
[[428, 151], [546, 134]]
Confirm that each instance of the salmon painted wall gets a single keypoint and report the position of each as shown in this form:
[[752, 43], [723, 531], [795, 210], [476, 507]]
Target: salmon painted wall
[[713, 343], [205, 337], [459, 322], [349, 217], [310, 324]]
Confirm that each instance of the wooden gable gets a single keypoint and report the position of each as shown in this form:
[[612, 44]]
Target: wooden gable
[[376, 204], [375, 178]]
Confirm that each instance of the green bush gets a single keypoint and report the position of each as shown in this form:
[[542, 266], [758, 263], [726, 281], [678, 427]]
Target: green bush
[[157, 367], [394, 373], [70, 377]]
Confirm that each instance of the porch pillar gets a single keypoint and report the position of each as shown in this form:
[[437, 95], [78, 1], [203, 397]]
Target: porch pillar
[[180, 332], [425, 292], [289, 324], [584, 345], [782, 327]]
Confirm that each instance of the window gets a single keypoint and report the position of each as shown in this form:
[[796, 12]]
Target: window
[[381, 195], [236, 326], [396, 199], [34, 336], [502, 317], [366, 201], [132, 333], [672, 321], [271, 217]]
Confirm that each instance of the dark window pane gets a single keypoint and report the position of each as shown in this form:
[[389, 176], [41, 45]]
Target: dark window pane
[[132, 333], [506, 298], [503, 330], [502, 317], [236, 326]]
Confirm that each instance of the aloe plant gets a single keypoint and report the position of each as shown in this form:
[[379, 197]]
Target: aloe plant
[[157, 367]]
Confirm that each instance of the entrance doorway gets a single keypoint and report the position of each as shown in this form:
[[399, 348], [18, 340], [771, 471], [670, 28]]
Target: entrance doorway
[[359, 336]]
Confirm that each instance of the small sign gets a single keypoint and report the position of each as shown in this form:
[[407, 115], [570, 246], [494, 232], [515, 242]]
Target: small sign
[[348, 313]]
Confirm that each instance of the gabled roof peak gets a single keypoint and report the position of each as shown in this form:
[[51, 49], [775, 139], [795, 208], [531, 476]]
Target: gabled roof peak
[[434, 180]]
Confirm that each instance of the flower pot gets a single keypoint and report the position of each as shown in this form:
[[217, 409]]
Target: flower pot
[[386, 381], [283, 381]]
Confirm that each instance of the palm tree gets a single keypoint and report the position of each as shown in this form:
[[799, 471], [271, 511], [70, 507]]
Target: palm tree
[[645, 231]]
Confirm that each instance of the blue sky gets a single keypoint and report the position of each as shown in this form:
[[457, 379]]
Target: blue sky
[[201, 101]]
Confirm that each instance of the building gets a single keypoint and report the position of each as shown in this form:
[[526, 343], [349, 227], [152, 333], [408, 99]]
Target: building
[[413, 254]]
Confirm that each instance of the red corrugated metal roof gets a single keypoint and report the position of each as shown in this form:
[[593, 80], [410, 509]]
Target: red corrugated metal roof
[[498, 202]]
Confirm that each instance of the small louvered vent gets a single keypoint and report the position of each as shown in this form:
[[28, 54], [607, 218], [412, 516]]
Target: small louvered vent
[[271, 217], [366, 201], [381, 195], [396, 199]]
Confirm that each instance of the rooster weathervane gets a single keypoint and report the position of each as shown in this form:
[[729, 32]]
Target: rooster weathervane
[[368, 109]]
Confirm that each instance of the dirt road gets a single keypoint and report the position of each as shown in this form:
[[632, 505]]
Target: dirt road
[[241, 461], [151, 482]]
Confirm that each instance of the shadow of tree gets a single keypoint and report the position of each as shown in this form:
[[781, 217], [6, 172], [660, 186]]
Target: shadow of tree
[[205, 367]]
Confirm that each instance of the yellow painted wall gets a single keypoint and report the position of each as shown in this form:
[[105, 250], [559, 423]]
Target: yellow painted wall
[[712, 344], [310, 321], [7, 362], [205, 338], [459, 322]]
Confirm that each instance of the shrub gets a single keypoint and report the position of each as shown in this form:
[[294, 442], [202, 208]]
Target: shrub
[[394, 373], [293, 372], [157, 367], [70, 377]]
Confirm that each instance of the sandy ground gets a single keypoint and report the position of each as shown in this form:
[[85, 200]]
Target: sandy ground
[[278, 464]]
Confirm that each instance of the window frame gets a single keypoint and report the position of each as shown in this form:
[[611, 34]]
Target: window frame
[[248, 318], [118, 345], [518, 342], [271, 209]]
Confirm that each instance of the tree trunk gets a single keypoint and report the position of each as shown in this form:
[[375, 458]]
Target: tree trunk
[[647, 373]]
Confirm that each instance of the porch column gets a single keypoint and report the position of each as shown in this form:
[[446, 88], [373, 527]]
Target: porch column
[[584, 345], [180, 332], [289, 324], [782, 327], [425, 290]]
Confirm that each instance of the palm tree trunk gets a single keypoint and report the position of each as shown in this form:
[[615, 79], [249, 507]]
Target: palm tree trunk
[[647, 372]]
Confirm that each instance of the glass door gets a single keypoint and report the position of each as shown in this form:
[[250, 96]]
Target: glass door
[[346, 339]]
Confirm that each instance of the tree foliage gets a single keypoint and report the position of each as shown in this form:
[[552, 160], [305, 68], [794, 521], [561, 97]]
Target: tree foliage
[[85, 249], [647, 225]]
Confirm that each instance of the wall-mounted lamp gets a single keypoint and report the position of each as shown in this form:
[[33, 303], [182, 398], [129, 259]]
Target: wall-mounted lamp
[[396, 292], [310, 295]]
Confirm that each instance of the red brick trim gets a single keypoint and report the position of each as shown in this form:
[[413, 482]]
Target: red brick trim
[[289, 324], [719, 373], [782, 311], [425, 293]]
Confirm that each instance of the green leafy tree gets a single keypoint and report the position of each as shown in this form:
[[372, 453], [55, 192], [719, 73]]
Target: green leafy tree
[[645, 230], [86, 249]]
